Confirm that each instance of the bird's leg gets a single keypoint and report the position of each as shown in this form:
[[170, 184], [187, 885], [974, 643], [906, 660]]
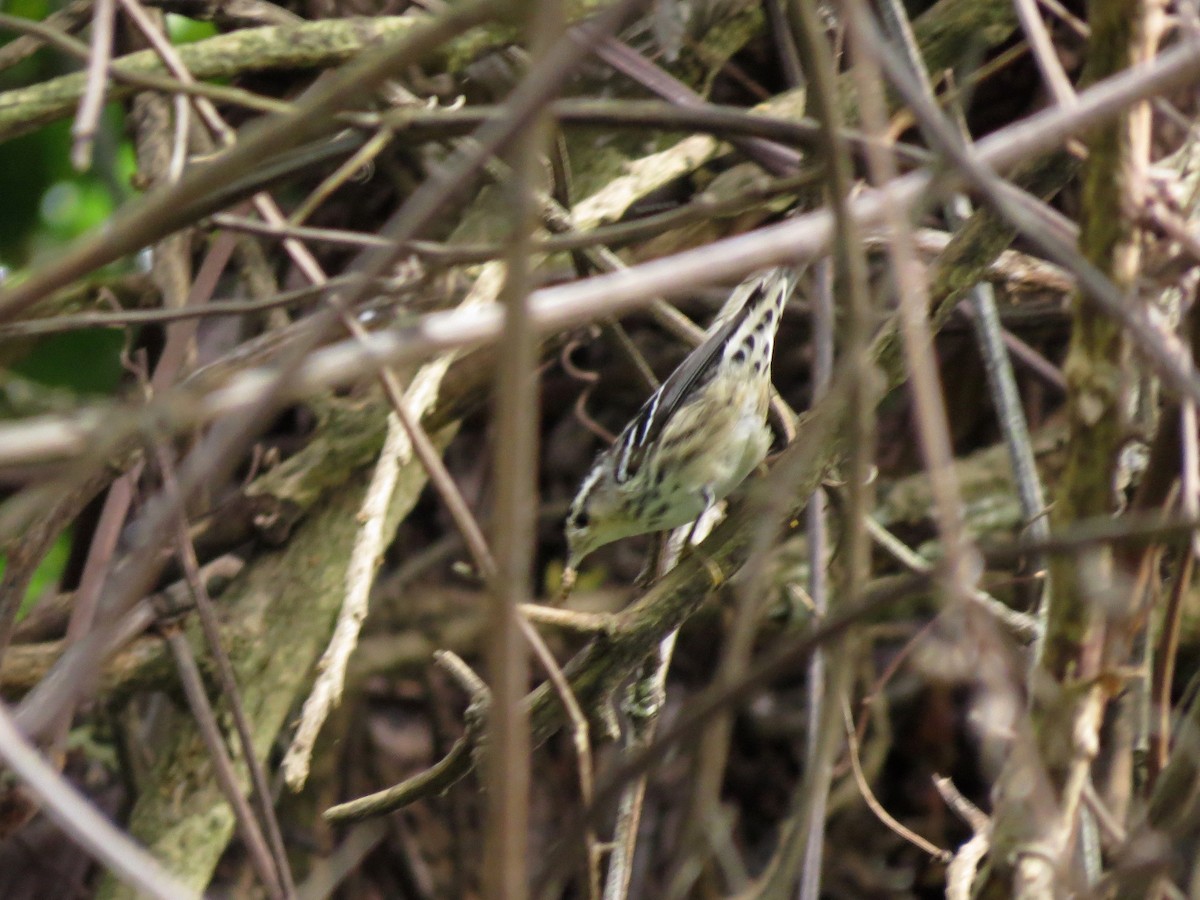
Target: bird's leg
[[714, 570], [709, 502], [650, 573]]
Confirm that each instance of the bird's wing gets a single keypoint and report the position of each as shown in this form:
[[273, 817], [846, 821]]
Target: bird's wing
[[646, 427]]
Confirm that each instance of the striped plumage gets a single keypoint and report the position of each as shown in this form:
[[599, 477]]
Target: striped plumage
[[700, 434]]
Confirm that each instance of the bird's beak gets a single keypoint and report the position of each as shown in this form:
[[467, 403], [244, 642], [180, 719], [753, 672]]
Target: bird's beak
[[568, 581]]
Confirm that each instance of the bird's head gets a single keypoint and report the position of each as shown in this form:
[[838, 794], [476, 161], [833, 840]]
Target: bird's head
[[599, 515]]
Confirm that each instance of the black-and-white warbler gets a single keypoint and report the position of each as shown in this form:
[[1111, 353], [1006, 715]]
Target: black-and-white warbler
[[701, 433]]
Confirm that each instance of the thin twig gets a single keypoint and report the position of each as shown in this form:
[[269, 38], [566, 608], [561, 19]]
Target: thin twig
[[785, 46], [872, 801], [580, 735], [702, 207], [91, 104], [1044, 54], [346, 858], [76, 816], [1035, 361], [567, 619], [1068, 18], [802, 845], [985, 317], [347, 170], [210, 734], [61, 21], [817, 529], [933, 425], [98, 570], [961, 871], [507, 775], [1166, 655], [776, 159], [209, 625], [1007, 400], [1019, 623], [134, 317], [25, 554]]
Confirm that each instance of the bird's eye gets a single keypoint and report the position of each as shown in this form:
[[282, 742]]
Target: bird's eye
[[581, 519]]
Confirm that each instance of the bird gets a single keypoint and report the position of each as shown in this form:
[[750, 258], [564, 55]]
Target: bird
[[697, 437]]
